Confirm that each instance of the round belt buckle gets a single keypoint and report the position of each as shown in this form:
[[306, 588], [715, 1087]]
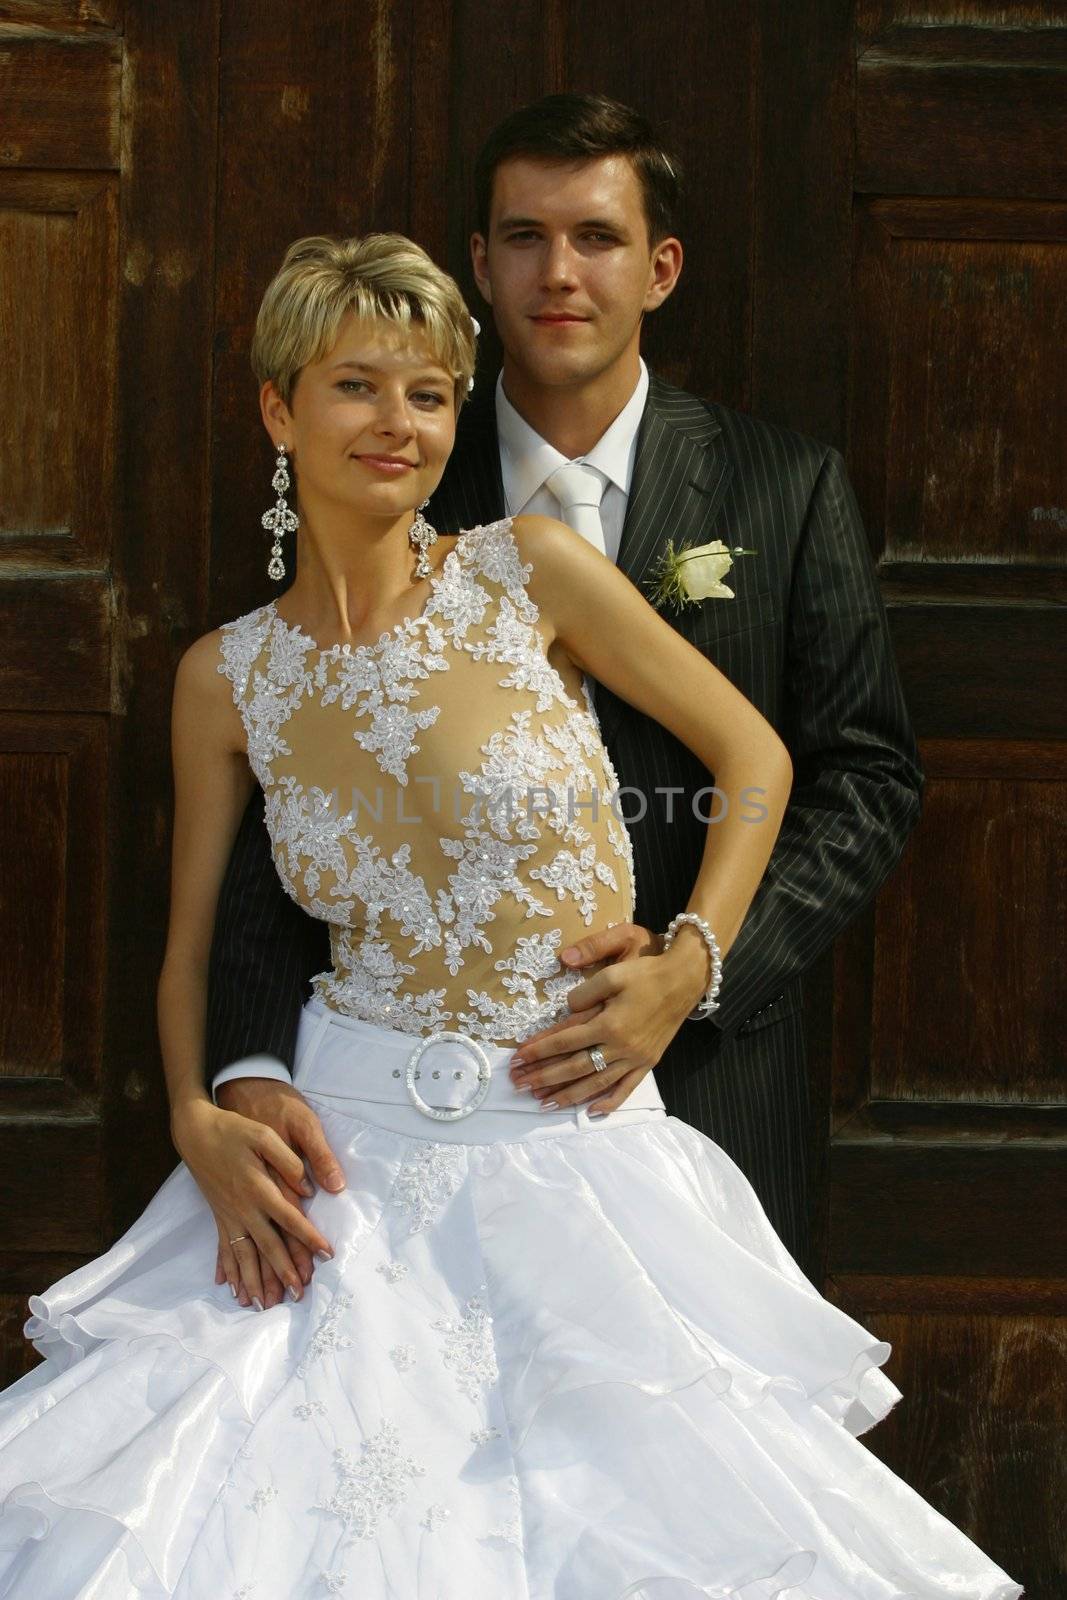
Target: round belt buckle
[[448, 1113]]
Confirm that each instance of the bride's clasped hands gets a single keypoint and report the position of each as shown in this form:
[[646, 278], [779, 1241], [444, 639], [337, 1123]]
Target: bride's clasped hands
[[253, 1179]]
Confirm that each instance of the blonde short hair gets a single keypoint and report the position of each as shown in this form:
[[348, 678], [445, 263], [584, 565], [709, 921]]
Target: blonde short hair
[[381, 275]]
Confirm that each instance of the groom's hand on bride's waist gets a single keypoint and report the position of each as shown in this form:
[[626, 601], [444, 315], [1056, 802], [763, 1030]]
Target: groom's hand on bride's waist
[[629, 1008], [284, 1109]]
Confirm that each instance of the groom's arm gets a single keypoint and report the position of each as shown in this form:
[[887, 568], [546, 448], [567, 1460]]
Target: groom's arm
[[264, 953], [857, 780]]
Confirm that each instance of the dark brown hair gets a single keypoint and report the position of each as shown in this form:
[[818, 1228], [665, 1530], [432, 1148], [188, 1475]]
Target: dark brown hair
[[582, 127]]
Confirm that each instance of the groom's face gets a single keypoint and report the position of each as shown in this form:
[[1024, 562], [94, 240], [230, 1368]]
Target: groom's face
[[568, 267]]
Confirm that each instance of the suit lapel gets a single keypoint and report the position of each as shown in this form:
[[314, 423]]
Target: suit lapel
[[681, 475], [471, 492]]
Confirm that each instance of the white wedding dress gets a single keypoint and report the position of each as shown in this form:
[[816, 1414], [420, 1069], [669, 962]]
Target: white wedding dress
[[553, 1357]]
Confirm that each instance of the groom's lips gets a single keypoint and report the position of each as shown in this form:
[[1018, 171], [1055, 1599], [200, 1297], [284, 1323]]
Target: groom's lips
[[557, 319]]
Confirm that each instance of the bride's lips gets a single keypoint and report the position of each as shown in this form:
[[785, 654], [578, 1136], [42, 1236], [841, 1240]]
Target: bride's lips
[[388, 466]]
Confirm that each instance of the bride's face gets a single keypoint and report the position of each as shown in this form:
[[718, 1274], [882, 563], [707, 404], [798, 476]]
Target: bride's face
[[370, 427]]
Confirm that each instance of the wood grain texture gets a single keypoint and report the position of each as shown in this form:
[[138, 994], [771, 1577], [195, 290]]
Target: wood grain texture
[[956, 394], [160, 570], [800, 329], [69, 15], [986, 671], [61, 99], [982, 886], [74, 671], [963, 111], [58, 307]]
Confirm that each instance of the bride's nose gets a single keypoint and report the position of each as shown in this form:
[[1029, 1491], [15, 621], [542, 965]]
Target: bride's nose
[[393, 416]]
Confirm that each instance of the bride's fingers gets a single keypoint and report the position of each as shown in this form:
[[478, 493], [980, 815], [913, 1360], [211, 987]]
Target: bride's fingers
[[226, 1268], [273, 1287], [248, 1259], [621, 1091]]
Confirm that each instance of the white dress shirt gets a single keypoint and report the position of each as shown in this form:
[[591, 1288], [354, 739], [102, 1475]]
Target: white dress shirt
[[526, 460]]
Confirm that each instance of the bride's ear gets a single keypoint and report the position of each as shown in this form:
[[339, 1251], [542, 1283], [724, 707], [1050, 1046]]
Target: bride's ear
[[277, 418]]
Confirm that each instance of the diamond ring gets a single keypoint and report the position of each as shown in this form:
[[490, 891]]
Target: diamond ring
[[596, 1056]]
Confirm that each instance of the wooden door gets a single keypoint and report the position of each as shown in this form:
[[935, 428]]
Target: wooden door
[[911, 239], [108, 127]]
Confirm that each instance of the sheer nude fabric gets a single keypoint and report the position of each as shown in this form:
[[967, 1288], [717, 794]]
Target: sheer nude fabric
[[441, 797]]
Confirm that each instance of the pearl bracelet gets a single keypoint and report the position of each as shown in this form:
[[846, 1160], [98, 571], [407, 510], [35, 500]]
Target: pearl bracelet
[[708, 1003]]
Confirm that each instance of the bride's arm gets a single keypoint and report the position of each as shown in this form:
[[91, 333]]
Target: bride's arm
[[227, 1154], [610, 631]]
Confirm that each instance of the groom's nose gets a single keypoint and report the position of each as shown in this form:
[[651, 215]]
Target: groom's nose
[[559, 265]]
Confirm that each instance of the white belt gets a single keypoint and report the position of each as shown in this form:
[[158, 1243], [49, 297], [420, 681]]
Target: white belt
[[445, 1075]]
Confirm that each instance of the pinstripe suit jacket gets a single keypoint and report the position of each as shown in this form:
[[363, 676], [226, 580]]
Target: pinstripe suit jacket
[[806, 640]]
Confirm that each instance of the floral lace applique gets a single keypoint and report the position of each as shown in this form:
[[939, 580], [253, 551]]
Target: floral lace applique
[[327, 1336], [481, 1436], [469, 1351], [373, 1486], [435, 1517], [511, 1531], [308, 1409], [392, 1271], [262, 1497], [426, 1181], [535, 778], [403, 1357], [333, 1582]]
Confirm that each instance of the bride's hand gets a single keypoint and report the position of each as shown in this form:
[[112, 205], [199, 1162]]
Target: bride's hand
[[233, 1160], [631, 1007]]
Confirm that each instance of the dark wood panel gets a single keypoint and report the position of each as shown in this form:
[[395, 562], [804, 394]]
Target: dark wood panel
[[982, 671], [53, 799], [963, 111], [801, 294], [66, 14], [961, 1010], [60, 99], [58, 285], [57, 643], [51, 1188], [927, 1206], [980, 1430], [876, 17], [34, 823], [167, 250], [960, 306]]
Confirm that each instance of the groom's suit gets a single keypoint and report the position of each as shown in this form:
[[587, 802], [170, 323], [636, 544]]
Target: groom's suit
[[805, 639]]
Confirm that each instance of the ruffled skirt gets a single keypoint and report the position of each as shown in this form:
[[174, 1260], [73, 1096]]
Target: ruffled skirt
[[553, 1358]]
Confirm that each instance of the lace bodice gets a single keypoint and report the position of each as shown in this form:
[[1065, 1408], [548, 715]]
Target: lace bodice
[[441, 798]]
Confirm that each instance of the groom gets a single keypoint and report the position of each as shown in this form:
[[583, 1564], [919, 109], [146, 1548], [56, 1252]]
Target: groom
[[576, 204]]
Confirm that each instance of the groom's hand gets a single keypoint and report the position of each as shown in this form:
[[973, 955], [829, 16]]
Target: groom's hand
[[632, 1015], [284, 1109]]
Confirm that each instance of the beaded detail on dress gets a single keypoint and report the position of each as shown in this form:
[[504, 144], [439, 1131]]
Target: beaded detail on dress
[[432, 795]]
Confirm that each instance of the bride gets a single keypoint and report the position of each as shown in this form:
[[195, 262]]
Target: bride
[[546, 1353]]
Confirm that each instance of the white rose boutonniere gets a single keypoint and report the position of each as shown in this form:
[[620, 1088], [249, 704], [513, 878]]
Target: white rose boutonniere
[[694, 573]]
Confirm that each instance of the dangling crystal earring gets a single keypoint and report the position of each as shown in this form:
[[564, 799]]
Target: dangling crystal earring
[[279, 519], [421, 536]]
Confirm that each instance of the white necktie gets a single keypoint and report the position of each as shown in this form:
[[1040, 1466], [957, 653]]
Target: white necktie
[[579, 490]]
